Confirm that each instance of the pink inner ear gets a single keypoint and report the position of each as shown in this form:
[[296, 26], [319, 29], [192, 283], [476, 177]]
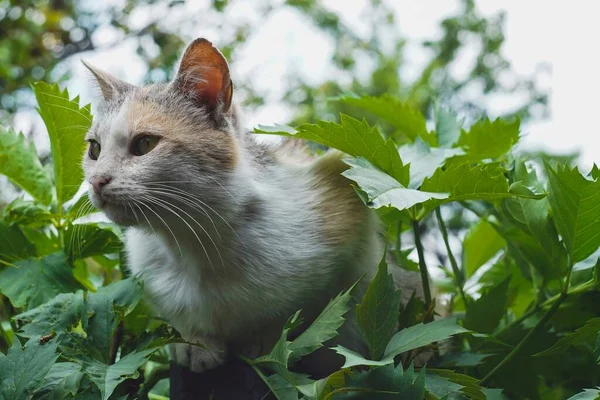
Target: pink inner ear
[[205, 74], [211, 86]]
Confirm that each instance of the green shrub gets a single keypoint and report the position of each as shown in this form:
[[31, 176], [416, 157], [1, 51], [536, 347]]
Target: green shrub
[[523, 290]]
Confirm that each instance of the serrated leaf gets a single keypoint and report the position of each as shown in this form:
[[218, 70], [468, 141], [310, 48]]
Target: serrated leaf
[[86, 240], [447, 127], [23, 368], [383, 383], [67, 125], [382, 190], [587, 394], [280, 353], [407, 120], [484, 314], [407, 339], [466, 182], [378, 312], [489, 139], [424, 160], [107, 377], [444, 382], [538, 240], [574, 201], [62, 381], [60, 315], [37, 280], [353, 359], [25, 212], [355, 138], [105, 309], [481, 243], [421, 335], [14, 245], [324, 327], [20, 163], [587, 334]]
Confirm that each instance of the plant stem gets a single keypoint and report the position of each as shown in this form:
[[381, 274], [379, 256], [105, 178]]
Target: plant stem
[[116, 342], [458, 275], [517, 321], [422, 265], [524, 341]]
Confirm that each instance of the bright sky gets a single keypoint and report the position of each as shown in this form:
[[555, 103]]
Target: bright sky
[[537, 31]]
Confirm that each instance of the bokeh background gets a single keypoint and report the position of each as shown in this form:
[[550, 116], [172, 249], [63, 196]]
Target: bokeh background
[[290, 57]]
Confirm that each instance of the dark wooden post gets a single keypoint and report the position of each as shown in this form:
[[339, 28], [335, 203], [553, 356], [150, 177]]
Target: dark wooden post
[[233, 381]]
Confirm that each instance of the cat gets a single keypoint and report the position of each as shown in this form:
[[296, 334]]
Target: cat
[[230, 236]]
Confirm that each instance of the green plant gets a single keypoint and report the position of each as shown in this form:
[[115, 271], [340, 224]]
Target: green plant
[[527, 276]]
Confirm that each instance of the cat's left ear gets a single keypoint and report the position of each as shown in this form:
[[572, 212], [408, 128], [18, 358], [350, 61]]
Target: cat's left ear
[[204, 76], [110, 85]]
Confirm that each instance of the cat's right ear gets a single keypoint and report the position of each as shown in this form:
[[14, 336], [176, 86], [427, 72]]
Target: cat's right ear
[[110, 86], [204, 76]]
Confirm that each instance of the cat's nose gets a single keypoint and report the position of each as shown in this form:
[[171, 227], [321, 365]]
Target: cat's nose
[[98, 182]]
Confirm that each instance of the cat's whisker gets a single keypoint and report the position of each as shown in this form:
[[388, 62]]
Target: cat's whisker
[[194, 198], [160, 203], [178, 197], [166, 225], [167, 206]]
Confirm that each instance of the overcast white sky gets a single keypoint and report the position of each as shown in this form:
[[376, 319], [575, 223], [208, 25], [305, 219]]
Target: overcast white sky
[[537, 31]]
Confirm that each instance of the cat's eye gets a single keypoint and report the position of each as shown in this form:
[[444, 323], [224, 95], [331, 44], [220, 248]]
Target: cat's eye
[[144, 145], [94, 150]]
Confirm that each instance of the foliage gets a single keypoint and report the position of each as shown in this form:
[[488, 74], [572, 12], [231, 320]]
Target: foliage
[[74, 310]]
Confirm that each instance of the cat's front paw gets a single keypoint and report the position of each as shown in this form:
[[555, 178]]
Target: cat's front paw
[[196, 358]]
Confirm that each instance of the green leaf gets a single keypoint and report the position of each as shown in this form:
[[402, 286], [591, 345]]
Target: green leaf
[[23, 369], [280, 353], [587, 334], [62, 381], [481, 243], [424, 160], [421, 335], [86, 240], [574, 201], [107, 377], [20, 163], [484, 314], [67, 125], [587, 394], [412, 313], [37, 280], [383, 383], [353, 359], [378, 312], [61, 315], [14, 245], [444, 382], [466, 182], [106, 308], [383, 190], [487, 139], [324, 327], [538, 240], [407, 120], [407, 339], [358, 139], [25, 212], [447, 127]]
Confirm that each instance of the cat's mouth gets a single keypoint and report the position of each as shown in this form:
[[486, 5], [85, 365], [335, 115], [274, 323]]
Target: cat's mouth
[[118, 211]]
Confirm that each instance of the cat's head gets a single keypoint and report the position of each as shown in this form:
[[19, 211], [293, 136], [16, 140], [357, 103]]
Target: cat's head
[[156, 147]]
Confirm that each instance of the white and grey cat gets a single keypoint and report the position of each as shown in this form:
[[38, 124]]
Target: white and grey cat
[[230, 237]]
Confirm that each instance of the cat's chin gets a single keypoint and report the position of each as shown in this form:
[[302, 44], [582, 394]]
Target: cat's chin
[[119, 215]]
